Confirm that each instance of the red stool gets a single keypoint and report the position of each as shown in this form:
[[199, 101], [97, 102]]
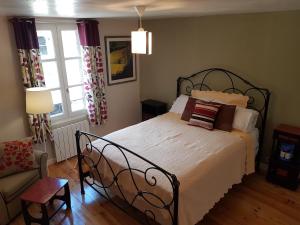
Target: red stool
[[42, 192]]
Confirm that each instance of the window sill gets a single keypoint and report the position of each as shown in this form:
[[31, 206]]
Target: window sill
[[68, 121]]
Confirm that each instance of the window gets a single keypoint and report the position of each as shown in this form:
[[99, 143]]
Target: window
[[61, 60]]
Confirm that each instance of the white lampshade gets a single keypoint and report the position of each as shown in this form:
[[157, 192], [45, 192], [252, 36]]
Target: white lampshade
[[141, 42], [149, 43], [38, 100]]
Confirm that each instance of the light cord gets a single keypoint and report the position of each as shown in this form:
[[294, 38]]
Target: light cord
[[140, 22]]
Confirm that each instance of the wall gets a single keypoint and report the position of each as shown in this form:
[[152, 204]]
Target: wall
[[264, 47], [123, 99], [13, 123]]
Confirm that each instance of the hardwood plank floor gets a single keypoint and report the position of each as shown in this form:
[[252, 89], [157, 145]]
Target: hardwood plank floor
[[255, 201]]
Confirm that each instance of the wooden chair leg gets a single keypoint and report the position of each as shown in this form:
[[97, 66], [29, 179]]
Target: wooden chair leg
[[45, 218], [25, 213], [67, 196]]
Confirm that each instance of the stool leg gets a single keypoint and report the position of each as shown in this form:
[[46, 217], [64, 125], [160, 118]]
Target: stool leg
[[51, 201], [25, 213], [45, 218], [67, 196]]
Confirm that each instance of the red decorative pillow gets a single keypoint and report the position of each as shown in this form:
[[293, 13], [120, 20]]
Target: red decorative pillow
[[16, 156], [204, 115], [188, 110], [225, 117]]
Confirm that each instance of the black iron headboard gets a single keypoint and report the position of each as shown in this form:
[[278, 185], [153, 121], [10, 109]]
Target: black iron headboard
[[230, 82]]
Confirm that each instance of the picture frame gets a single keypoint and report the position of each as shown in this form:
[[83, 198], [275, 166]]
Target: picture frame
[[120, 62]]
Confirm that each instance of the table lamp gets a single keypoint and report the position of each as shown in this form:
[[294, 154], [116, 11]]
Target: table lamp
[[39, 101]]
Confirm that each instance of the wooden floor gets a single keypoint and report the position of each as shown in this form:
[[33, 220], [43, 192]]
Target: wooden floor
[[254, 202]]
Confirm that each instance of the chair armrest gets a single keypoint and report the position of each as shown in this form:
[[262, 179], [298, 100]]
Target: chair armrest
[[41, 159]]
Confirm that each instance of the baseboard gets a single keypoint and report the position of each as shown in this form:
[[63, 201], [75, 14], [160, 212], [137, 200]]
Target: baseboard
[[51, 161]]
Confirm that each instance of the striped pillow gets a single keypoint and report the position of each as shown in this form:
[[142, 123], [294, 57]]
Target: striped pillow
[[204, 115]]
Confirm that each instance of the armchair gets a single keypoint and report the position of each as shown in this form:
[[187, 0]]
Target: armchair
[[13, 185]]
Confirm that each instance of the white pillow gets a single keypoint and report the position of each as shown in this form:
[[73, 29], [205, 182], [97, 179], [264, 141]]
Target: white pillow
[[245, 119], [179, 104]]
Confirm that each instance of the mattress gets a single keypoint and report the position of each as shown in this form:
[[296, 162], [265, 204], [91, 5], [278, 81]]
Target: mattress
[[206, 163]]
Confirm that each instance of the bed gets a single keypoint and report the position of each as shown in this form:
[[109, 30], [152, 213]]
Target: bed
[[170, 172]]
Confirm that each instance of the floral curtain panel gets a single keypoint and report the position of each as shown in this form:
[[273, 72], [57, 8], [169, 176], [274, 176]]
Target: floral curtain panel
[[31, 68], [94, 85]]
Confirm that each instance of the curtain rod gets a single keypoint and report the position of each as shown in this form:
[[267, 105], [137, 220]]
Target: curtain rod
[[55, 21], [49, 21], [26, 19], [75, 21]]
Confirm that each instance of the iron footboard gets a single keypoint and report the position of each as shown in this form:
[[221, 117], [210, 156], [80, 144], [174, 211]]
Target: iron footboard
[[145, 181]]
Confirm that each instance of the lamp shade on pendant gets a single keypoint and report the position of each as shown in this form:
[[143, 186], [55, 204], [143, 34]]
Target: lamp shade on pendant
[[141, 42], [38, 100]]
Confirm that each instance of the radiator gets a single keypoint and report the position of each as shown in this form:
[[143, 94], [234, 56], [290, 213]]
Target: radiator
[[65, 142]]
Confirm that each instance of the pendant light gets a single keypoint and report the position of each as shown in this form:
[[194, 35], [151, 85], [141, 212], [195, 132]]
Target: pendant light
[[141, 40]]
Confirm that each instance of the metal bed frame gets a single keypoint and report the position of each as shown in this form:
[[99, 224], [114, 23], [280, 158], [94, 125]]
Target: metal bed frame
[[89, 168], [258, 97]]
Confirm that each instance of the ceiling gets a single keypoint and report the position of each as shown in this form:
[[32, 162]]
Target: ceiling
[[155, 8]]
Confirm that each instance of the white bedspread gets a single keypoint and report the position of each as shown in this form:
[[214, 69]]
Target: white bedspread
[[206, 163]]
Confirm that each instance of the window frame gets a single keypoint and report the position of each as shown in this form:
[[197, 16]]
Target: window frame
[[56, 31]]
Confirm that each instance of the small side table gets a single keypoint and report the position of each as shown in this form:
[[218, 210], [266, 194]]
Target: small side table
[[42, 192], [152, 108], [284, 164]]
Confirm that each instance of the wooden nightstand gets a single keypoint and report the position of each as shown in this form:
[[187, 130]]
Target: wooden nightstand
[[152, 108], [284, 164]]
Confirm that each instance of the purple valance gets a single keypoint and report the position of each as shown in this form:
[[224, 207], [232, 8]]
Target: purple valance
[[25, 33], [88, 32]]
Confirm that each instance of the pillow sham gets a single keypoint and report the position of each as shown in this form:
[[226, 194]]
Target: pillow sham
[[225, 117], [245, 119], [179, 104], [204, 115], [16, 156], [188, 110], [226, 98]]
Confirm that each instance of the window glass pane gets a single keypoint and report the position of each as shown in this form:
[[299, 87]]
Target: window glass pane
[[51, 74], [74, 71], [57, 102], [46, 44], [70, 43], [77, 98], [77, 105]]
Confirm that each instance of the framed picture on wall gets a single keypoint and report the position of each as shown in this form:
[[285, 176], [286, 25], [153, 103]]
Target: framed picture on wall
[[119, 59]]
